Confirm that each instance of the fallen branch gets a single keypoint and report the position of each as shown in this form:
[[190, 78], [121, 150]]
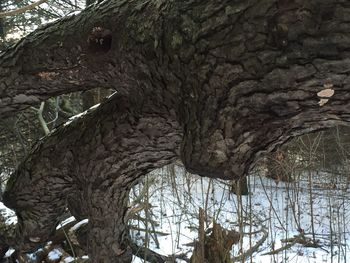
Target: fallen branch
[[147, 254], [279, 250], [300, 239], [254, 248], [150, 231]]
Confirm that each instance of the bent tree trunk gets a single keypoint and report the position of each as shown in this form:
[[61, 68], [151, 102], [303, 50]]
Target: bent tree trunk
[[216, 83], [93, 162]]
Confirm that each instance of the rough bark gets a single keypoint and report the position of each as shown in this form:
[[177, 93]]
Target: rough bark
[[245, 75], [93, 164], [84, 52], [230, 80]]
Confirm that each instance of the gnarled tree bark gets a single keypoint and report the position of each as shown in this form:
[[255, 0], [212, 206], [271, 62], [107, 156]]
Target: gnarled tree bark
[[227, 80], [92, 162]]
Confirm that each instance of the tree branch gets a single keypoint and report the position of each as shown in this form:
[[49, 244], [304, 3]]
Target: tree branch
[[22, 9], [140, 135], [229, 80]]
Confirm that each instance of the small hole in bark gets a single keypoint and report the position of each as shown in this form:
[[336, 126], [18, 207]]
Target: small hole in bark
[[100, 40]]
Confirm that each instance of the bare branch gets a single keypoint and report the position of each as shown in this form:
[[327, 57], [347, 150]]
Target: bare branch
[[22, 9]]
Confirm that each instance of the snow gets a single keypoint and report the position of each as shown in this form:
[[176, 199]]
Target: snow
[[75, 117], [68, 259], [137, 260], [54, 254], [9, 214], [79, 224], [110, 96], [66, 221], [281, 209], [9, 253]]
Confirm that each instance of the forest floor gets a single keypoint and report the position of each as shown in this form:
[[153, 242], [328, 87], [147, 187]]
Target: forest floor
[[316, 206]]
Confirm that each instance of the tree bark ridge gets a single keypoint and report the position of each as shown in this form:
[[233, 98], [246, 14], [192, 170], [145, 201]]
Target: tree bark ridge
[[93, 166]]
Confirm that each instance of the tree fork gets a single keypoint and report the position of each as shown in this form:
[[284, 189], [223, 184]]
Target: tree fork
[[223, 81]]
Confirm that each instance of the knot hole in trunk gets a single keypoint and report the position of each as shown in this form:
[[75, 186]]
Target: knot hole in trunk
[[99, 40]]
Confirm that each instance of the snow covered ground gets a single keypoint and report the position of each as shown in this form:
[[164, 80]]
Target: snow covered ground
[[8, 214], [281, 210]]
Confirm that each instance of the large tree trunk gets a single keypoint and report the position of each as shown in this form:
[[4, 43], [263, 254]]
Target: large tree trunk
[[93, 162], [228, 80], [107, 225]]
